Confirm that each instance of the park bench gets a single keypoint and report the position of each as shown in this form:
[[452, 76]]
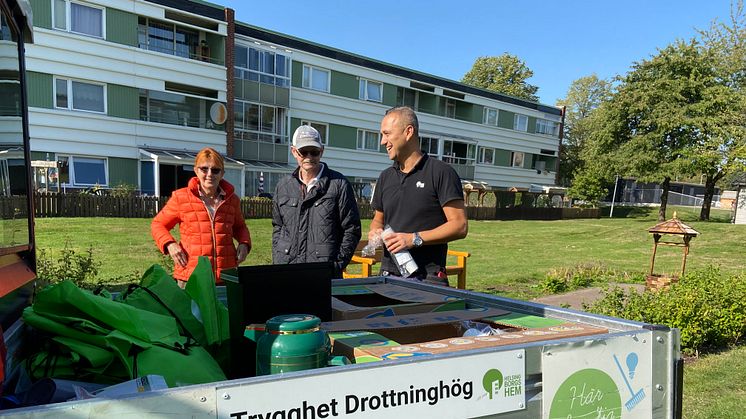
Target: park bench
[[366, 264]]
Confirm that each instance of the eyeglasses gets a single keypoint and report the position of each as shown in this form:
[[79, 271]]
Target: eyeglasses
[[313, 152], [214, 170]]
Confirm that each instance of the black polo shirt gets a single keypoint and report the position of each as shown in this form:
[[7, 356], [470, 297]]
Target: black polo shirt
[[413, 202]]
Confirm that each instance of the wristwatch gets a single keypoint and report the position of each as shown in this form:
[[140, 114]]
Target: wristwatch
[[417, 240]]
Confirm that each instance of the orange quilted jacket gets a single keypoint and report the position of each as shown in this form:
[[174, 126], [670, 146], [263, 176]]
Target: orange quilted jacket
[[200, 235]]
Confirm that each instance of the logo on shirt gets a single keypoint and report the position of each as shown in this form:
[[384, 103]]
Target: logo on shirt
[[420, 184]]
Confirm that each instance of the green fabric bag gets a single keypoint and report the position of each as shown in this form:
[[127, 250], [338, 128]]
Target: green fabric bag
[[213, 313], [159, 293], [78, 320]]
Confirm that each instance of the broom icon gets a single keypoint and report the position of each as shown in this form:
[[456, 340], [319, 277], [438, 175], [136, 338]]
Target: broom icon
[[636, 397]]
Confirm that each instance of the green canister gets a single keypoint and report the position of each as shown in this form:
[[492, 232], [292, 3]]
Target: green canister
[[291, 342]]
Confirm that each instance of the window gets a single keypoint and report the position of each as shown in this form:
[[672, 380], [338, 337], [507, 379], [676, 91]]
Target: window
[[260, 122], [167, 38], [490, 116], [79, 96], [371, 90], [406, 97], [323, 129], [544, 126], [450, 108], [516, 159], [520, 122], [78, 18], [429, 145], [261, 65], [316, 78], [368, 140], [457, 152], [486, 155], [176, 109], [83, 171]]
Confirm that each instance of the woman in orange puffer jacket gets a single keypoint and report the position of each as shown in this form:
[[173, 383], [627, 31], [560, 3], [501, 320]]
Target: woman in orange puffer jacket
[[209, 216]]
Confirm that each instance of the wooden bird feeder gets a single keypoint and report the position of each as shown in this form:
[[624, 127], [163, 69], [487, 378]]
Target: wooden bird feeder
[[673, 227]]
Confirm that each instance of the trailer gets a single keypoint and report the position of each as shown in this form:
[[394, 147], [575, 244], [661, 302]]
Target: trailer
[[632, 370], [546, 361]]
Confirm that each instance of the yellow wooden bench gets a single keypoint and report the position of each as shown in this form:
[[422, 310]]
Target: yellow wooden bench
[[366, 264]]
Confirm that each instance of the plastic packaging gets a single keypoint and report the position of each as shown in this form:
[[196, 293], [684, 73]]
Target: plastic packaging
[[472, 328], [407, 266], [369, 250]]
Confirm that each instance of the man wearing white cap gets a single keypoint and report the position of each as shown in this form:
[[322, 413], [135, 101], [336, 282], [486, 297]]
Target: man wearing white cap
[[314, 216]]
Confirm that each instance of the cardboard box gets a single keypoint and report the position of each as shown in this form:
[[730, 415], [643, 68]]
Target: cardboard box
[[353, 345], [435, 333], [385, 300], [458, 343]]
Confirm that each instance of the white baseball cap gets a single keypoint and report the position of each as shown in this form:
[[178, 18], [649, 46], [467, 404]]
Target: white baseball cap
[[306, 136]]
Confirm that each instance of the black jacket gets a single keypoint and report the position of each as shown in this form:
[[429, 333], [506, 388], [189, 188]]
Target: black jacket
[[323, 226]]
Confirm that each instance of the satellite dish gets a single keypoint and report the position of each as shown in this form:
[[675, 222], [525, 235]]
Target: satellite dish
[[218, 113]]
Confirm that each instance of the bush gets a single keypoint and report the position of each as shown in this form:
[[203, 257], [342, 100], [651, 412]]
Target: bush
[[582, 276], [707, 307], [80, 268]]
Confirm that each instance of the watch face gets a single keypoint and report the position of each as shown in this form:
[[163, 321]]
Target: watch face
[[417, 240]]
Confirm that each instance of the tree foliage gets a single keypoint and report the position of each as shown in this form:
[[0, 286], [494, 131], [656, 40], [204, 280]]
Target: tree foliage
[[655, 125], [503, 74], [583, 97]]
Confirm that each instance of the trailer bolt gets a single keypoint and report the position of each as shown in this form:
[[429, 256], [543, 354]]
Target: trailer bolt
[[549, 354], [644, 341], [520, 405], [226, 396], [659, 339], [203, 399], [520, 356], [659, 387]]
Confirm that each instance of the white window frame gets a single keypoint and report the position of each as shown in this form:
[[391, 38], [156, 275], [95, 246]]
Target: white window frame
[[362, 146], [485, 116], [450, 108], [68, 18], [307, 83], [547, 127], [363, 90], [520, 122], [71, 170], [285, 80], [481, 156], [325, 137], [517, 158], [430, 141], [70, 104]]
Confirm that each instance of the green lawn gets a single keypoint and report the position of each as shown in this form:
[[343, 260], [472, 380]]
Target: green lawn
[[508, 257]]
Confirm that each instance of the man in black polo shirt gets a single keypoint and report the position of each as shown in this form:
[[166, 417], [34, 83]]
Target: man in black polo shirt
[[420, 197]]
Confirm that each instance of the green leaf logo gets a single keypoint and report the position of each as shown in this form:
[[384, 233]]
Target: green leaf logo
[[492, 381]]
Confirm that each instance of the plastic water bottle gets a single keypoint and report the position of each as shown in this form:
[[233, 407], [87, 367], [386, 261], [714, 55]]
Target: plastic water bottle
[[407, 266]]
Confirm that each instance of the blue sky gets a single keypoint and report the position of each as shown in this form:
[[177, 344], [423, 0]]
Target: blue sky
[[559, 40]]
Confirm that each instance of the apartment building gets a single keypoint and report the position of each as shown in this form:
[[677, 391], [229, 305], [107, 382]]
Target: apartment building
[[126, 91]]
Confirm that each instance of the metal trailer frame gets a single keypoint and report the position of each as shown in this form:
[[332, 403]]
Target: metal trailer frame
[[205, 400]]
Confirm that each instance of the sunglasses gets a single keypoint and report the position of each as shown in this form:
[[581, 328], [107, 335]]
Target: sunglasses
[[214, 170], [314, 152]]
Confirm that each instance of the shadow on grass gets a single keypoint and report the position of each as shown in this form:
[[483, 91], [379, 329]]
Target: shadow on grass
[[687, 214]]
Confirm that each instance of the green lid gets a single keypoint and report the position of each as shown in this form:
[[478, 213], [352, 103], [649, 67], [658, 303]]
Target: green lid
[[293, 323]]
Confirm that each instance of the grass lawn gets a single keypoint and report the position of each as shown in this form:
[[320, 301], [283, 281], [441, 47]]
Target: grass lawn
[[508, 257], [715, 386]]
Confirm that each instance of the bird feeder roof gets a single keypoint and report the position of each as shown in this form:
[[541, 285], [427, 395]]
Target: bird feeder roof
[[673, 226]]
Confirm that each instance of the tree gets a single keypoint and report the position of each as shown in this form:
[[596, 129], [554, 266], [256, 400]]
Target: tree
[[723, 150], [503, 74], [583, 97], [661, 111]]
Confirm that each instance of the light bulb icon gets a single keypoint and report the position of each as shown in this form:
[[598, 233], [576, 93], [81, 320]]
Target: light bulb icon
[[632, 364]]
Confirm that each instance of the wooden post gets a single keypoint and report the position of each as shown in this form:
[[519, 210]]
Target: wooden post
[[656, 237]]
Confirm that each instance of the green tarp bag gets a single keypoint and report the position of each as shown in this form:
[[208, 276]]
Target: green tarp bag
[[140, 342]]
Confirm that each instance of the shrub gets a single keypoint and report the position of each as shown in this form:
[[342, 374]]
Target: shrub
[[582, 276], [707, 307], [80, 268]]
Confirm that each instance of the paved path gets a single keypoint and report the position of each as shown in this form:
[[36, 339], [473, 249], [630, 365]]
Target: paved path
[[575, 299]]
